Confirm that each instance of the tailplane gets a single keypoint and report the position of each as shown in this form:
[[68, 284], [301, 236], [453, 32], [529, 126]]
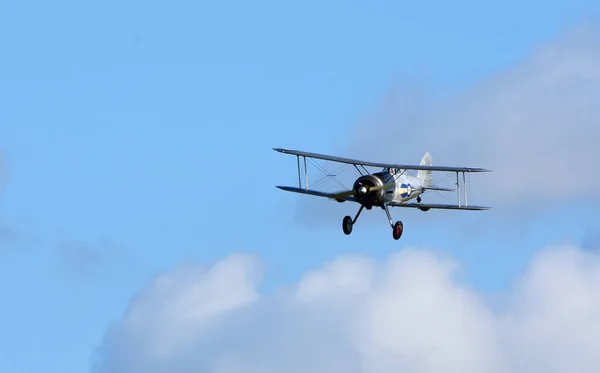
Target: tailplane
[[425, 175]]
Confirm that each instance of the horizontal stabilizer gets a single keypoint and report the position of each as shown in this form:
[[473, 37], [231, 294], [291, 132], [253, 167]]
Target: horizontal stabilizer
[[438, 206], [316, 193]]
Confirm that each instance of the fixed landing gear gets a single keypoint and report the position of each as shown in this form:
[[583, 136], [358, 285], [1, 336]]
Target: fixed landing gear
[[348, 222], [397, 228], [397, 231]]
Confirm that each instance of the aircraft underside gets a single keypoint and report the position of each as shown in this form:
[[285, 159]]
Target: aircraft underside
[[380, 189]]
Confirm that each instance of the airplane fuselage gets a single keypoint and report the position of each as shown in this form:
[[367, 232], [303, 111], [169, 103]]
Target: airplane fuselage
[[405, 187], [385, 187]]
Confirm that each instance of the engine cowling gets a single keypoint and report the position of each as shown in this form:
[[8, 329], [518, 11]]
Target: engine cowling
[[363, 195]]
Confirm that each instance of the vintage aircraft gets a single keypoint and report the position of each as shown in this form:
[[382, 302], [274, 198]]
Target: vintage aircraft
[[391, 187]]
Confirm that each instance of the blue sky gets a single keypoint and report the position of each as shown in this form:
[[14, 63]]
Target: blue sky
[[135, 136]]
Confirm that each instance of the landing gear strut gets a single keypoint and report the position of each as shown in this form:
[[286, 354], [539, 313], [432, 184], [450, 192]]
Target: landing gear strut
[[397, 228], [347, 223]]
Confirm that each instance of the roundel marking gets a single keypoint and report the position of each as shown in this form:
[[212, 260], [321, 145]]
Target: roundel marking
[[405, 190]]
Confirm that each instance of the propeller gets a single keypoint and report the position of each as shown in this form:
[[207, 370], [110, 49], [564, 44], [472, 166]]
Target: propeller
[[362, 190]]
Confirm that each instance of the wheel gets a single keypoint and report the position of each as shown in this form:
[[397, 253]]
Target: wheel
[[347, 225], [398, 229], [419, 199]]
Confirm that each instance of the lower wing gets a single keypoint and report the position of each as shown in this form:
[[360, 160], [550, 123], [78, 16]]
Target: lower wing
[[336, 196], [439, 189], [341, 198], [438, 206]]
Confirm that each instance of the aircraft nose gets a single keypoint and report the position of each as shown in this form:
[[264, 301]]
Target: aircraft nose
[[362, 190]]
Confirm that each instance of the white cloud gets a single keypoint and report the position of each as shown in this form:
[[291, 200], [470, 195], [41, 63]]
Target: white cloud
[[347, 276], [409, 313], [536, 124], [177, 310]]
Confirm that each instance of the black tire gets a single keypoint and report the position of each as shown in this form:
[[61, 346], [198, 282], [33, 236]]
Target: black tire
[[347, 225], [397, 230]]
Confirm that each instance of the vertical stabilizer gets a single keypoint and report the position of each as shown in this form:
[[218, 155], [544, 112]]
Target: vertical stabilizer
[[425, 175]]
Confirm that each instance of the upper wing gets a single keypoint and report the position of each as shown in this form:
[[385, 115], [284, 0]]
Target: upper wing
[[376, 164], [437, 206]]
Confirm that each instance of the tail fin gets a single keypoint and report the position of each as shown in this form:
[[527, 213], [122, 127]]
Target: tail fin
[[425, 175]]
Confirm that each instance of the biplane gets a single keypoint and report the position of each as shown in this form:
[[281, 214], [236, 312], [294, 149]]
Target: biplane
[[389, 187]]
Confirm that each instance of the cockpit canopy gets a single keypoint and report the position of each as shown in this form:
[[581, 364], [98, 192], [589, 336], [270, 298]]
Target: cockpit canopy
[[392, 171]]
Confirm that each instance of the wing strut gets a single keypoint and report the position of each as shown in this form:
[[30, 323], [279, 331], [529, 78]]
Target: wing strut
[[305, 174], [465, 188], [303, 169], [299, 182], [457, 189]]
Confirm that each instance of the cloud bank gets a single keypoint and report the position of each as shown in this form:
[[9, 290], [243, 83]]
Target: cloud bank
[[410, 312], [536, 124]]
